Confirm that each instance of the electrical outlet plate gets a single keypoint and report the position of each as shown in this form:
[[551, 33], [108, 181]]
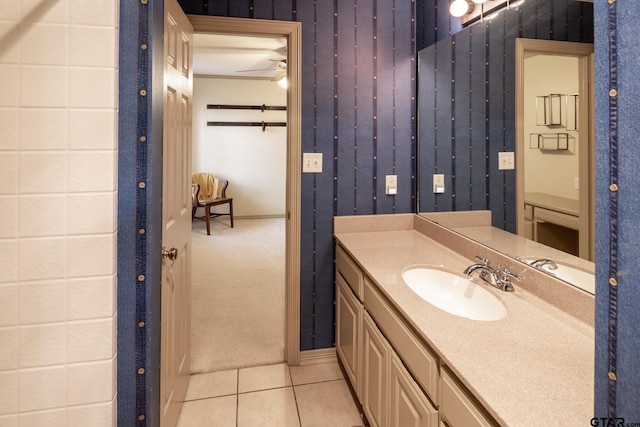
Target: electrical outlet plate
[[311, 162], [506, 160], [438, 183], [391, 184]]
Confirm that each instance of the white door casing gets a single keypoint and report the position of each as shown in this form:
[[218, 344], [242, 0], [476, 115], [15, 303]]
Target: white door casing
[[175, 357], [292, 31]]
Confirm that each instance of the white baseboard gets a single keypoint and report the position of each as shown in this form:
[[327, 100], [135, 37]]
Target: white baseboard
[[322, 355], [259, 216]]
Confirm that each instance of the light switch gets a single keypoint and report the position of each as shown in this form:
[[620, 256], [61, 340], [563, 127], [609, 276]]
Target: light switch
[[311, 162], [505, 160], [438, 183], [391, 184]]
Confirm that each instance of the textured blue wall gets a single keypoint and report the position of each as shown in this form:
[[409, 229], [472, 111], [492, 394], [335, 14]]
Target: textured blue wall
[[617, 372], [467, 105], [434, 22], [358, 109], [139, 263]]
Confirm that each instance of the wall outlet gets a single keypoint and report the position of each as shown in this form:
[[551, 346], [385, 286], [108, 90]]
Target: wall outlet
[[391, 184], [438, 183], [311, 162], [506, 160]]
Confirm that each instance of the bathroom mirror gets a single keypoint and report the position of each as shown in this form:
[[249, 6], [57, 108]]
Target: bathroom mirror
[[467, 116]]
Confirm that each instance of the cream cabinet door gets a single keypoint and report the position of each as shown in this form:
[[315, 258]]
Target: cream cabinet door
[[408, 405], [348, 330], [375, 373]]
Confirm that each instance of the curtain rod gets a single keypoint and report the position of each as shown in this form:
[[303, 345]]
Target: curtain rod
[[246, 107], [261, 124]]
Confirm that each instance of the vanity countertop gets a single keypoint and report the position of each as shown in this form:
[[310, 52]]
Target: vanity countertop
[[554, 203], [531, 367]]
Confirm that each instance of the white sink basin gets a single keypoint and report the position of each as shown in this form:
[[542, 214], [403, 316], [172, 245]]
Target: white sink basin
[[454, 294]]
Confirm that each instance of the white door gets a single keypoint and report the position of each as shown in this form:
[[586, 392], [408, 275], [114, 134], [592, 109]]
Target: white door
[[175, 357]]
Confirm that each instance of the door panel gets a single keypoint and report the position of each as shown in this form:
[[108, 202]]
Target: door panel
[[176, 213], [375, 371]]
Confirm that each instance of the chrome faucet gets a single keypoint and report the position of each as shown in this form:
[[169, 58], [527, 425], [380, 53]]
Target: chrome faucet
[[499, 278], [539, 263]]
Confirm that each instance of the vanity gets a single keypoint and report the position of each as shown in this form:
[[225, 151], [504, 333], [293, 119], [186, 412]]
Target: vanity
[[411, 363], [552, 220]]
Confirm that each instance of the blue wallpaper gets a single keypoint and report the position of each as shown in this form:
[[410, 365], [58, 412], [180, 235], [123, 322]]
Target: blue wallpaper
[[557, 17], [466, 108], [359, 110], [139, 263], [617, 371], [434, 22]]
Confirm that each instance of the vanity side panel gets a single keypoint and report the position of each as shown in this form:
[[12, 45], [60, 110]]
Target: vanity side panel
[[348, 330]]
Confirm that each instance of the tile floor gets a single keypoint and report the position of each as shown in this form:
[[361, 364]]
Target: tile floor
[[270, 396]]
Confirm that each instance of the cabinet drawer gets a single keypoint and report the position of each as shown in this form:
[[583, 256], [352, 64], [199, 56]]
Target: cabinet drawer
[[349, 271], [559, 218], [419, 360], [457, 407]]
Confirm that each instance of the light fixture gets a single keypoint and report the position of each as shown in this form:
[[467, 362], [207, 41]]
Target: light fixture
[[460, 8], [283, 83], [488, 9]]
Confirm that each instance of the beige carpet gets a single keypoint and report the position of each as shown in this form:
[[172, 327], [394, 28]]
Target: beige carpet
[[238, 298]]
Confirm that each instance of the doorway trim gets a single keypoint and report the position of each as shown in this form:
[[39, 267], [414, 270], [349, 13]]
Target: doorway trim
[[292, 31], [584, 53]]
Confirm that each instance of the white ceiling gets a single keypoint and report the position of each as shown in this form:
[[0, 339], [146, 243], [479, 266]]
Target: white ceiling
[[238, 56]]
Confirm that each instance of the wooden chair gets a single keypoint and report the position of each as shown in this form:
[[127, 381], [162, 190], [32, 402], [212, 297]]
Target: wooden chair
[[203, 201]]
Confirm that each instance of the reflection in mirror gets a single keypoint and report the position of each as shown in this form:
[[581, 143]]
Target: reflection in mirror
[[466, 117], [476, 225], [554, 166]]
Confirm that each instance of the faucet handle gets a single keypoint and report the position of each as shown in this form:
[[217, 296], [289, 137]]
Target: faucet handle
[[483, 260], [507, 275]]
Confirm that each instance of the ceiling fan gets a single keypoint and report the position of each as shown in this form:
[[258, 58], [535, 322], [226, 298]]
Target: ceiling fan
[[281, 66]]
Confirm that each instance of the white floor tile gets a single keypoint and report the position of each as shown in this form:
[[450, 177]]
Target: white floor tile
[[326, 404], [268, 408], [315, 373], [216, 412], [263, 378], [212, 384]]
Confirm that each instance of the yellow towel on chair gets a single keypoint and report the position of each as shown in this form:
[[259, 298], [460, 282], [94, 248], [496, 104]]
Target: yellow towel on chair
[[208, 185]]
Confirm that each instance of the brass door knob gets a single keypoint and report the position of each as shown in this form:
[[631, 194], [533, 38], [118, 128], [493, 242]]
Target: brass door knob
[[171, 254]]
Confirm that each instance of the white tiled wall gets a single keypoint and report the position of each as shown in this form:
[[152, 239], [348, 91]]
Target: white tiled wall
[[58, 81]]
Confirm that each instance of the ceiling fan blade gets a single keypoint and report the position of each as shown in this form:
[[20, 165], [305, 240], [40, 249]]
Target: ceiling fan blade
[[257, 69], [279, 77]]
